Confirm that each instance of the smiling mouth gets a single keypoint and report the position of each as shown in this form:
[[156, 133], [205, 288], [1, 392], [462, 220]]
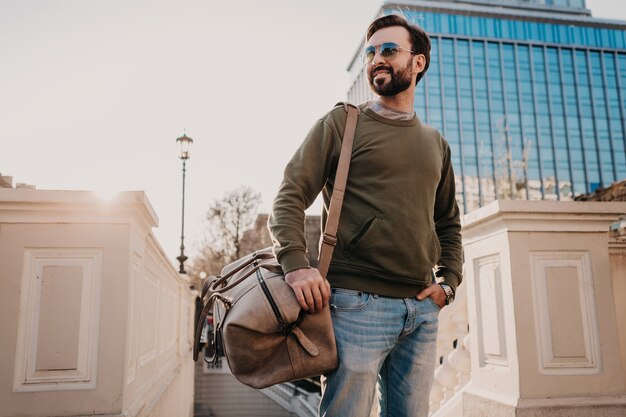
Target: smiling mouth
[[378, 73], [380, 77]]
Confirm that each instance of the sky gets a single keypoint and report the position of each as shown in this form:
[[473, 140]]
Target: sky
[[93, 94]]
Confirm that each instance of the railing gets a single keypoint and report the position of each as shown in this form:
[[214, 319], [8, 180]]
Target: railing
[[534, 296], [453, 356], [544, 325], [293, 399], [100, 321]]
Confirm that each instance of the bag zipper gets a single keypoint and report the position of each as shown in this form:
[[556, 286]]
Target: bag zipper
[[269, 297]]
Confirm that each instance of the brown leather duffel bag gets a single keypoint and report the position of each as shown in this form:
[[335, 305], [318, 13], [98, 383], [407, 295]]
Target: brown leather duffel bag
[[259, 326], [265, 335]]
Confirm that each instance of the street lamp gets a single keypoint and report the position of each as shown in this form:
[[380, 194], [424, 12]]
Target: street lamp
[[185, 145]]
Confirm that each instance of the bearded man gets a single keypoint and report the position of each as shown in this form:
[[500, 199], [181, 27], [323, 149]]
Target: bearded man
[[398, 256]]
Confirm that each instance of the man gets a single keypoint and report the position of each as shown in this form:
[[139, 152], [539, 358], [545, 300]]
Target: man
[[399, 220]]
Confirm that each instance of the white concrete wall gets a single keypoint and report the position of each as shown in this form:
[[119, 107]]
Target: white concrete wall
[[617, 254], [97, 320], [542, 316]]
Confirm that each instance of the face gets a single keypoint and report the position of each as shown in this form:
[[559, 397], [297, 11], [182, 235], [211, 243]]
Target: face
[[388, 80], [393, 75]]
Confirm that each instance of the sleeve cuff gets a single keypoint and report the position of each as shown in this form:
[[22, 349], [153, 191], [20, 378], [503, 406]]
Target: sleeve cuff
[[292, 260], [449, 278]]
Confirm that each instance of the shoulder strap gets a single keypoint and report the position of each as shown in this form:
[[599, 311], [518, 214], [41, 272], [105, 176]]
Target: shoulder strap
[[329, 237]]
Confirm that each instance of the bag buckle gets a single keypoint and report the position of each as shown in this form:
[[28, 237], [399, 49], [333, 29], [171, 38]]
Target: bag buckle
[[228, 303], [287, 329], [329, 239]]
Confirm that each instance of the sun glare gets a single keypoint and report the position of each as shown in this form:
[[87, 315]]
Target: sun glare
[[107, 194]]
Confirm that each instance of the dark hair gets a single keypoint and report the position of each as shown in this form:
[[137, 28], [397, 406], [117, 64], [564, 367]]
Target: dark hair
[[420, 42]]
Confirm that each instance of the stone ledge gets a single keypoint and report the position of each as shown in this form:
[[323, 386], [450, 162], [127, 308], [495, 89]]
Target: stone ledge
[[476, 406]]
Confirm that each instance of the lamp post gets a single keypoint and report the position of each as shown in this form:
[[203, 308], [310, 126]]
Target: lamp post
[[185, 144]]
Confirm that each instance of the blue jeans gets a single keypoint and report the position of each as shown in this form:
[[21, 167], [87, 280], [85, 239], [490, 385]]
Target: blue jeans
[[389, 343]]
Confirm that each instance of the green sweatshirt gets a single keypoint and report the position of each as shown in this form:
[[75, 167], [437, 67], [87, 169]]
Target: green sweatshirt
[[399, 216]]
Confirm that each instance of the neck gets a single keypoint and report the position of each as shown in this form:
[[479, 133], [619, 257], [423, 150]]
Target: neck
[[402, 101]]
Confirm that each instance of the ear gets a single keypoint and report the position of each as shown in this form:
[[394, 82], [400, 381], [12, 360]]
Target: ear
[[419, 63]]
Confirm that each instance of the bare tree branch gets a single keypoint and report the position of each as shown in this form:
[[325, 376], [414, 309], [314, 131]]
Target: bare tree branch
[[227, 221]]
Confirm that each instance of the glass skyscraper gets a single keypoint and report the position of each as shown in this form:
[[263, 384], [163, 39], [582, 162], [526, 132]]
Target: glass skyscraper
[[530, 95]]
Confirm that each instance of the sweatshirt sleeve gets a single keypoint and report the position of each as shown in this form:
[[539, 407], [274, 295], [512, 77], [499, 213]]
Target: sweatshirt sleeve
[[304, 177], [448, 226]]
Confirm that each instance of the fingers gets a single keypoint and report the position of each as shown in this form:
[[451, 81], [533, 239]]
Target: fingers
[[315, 298], [426, 292], [311, 289], [301, 299], [435, 292], [305, 298]]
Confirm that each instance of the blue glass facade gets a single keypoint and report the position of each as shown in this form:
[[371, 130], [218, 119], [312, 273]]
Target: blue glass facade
[[532, 109]]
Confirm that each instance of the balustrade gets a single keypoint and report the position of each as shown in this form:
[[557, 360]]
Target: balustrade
[[102, 322], [453, 357], [544, 330]]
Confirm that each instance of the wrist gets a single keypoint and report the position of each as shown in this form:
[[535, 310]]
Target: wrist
[[292, 261], [449, 293]]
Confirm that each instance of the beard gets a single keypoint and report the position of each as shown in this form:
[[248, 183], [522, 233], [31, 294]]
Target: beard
[[398, 80]]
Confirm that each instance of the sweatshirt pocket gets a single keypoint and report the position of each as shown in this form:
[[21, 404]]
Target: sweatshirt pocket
[[365, 233]]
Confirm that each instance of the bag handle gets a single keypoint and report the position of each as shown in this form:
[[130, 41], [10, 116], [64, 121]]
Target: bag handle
[[329, 237], [253, 258]]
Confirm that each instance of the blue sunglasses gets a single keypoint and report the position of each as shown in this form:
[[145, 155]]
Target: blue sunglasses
[[387, 50]]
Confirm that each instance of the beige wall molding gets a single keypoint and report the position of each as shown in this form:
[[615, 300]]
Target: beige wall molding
[[565, 313], [491, 328], [58, 324]]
